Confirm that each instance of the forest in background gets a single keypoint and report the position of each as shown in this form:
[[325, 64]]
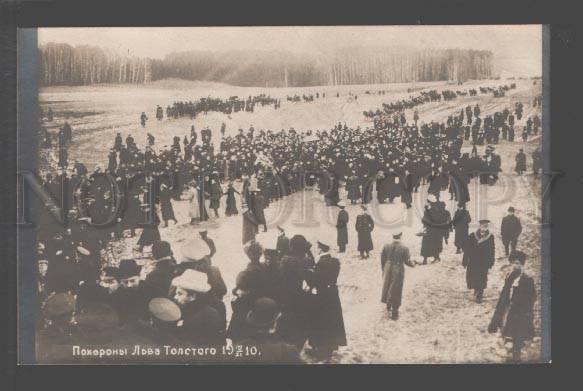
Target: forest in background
[[63, 64]]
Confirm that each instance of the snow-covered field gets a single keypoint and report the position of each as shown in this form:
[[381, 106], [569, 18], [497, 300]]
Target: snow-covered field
[[440, 321]]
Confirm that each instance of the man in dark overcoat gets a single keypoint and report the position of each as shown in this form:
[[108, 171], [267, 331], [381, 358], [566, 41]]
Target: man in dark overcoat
[[514, 312], [511, 228], [394, 257], [478, 259], [364, 226], [461, 223], [326, 332], [341, 227]]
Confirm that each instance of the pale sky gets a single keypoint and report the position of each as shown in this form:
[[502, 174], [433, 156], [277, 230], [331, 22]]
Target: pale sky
[[517, 49]]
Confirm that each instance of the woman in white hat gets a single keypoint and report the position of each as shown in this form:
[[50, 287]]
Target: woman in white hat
[[203, 315]]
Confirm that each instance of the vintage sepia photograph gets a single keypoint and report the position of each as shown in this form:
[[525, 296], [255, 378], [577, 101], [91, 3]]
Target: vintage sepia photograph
[[287, 195]]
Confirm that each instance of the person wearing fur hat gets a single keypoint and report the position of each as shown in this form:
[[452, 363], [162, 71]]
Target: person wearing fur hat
[[342, 227], [364, 227], [203, 315], [326, 332], [514, 314], [478, 259]]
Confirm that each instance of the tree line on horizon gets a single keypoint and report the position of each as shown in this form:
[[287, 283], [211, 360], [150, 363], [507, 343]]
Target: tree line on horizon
[[63, 64]]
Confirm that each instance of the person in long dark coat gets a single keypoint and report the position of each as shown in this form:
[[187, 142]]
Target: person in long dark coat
[[394, 257], [250, 226], [407, 187], [436, 222], [158, 280], [150, 232], [461, 223], [342, 227], [326, 332], [294, 322], [282, 244], [520, 162], [166, 205], [353, 189], [514, 314], [478, 259], [364, 226], [510, 229], [215, 195], [231, 208], [257, 204]]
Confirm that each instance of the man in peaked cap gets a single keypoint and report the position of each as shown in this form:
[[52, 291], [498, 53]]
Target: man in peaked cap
[[393, 258], [514, 314], [342, 227], [364, 226]]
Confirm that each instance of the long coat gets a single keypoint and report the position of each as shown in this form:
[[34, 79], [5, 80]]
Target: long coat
[[364, 227], [461, 222], [437, 223], [393, 259], [478, 259], [166, 204], [327, 323], [231, 208], [511, 228], [341, 228], [193, 203], [250, 227], [514, 310], [294, 323]]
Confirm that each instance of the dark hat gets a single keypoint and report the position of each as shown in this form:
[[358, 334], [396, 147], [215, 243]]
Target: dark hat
[[203, 233], [164, 309], [110, 271], [397, 235], [128, 268], [298, 245], [264, 312], [517, 255], [363, 207], [484, 221], [161, 249], [511, 209], [323, 246], [59, 304], [253, 249], [270, 253], [205, 322]]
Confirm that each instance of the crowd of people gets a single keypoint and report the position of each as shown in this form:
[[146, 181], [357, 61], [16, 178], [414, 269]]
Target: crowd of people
[[286, 296], [233, 104]]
